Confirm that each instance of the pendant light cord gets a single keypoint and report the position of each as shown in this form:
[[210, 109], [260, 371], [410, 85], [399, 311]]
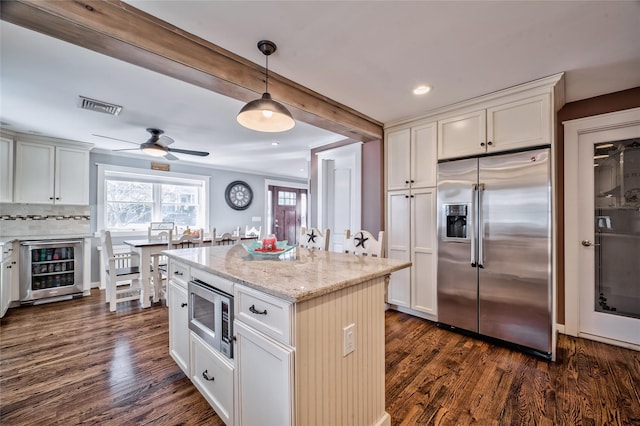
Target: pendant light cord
[[266, 81]]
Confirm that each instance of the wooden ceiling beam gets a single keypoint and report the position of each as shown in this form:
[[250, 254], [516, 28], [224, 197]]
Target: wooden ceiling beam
[[121, 31]]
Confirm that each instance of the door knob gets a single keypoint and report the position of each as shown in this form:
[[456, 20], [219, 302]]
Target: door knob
[[588, 243]]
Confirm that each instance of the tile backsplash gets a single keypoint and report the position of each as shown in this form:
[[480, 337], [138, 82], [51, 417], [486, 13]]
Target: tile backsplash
[[38, 219]]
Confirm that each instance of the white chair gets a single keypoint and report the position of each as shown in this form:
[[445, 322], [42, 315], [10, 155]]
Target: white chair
[[313, 238], [364, 243], [187, 240], [253, 231], [225, 239], [163, 232], [123, 282]]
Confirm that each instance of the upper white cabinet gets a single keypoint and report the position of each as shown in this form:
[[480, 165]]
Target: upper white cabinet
[[411, 157], [6, 170], [505, 124], [50, 174]]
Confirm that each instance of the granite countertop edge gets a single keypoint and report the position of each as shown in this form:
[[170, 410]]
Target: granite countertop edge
[[295, 295]]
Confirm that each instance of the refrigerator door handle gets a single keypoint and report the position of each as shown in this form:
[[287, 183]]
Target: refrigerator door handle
[[480, 226], [472, 229]]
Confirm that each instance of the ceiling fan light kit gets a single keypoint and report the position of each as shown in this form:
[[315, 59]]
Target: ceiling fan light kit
[[265, 114]]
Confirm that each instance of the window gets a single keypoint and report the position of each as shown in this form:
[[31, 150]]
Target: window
[[286, 198], [133, 198]]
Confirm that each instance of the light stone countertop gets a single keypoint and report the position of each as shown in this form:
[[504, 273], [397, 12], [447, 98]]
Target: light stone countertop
[[298, 275], [8, 239]]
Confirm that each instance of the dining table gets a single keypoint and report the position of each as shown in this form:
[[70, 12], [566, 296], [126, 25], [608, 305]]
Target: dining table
[[147, 249]]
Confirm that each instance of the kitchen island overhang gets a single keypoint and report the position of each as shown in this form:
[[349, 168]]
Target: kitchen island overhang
[[327, 293]]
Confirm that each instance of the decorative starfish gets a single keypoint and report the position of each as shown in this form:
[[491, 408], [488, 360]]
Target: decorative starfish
[[360, 240], [311, 237]]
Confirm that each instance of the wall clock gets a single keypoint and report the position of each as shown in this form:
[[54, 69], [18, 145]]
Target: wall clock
[[238, 195]]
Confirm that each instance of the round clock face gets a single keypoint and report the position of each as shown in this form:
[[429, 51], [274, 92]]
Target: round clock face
[[238, 195]]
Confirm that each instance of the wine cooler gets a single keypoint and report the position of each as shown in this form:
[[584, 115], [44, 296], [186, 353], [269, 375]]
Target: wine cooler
[[50, 269]]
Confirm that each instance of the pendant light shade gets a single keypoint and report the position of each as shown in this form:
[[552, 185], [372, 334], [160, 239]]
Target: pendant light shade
[[265, 114]]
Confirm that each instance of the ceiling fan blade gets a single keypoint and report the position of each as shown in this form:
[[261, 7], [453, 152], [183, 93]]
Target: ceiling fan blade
[[115, 139], [189, 152], [127, 149], [165, 140], [170, 157]]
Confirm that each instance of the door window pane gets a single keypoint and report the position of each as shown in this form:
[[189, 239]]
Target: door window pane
[[286, 198], [617, 227]]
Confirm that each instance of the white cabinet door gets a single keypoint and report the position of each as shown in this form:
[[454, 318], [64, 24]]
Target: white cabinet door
[[213, 376], [72, 176], [5, 285], [424, 155], [398, 152], [399, 246], [264, 379], [179, 326], [519, 124], [423, 251], [6, 170], [462, 135], [34, 171]]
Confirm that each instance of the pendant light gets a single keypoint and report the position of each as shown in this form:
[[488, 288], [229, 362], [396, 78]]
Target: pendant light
[[265, 114]]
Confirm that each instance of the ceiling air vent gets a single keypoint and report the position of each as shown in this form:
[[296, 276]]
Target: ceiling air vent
[[99, 106]]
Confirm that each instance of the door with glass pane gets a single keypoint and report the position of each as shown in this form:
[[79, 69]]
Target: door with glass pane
[[609, 222], [288, 212]]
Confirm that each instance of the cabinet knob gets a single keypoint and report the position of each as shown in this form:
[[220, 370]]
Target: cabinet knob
[[489, 143], [413, 181], [57, 198], [481, 143], [406, 182], [51, 198], [406, 196]]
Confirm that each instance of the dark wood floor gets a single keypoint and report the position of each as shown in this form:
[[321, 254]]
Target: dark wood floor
[[75, 363]]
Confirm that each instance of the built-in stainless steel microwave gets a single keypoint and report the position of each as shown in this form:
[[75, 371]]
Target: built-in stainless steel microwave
[[211, 316]]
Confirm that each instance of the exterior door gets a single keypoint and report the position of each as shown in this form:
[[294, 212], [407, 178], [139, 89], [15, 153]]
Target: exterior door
[[608, 231], [289, 212]]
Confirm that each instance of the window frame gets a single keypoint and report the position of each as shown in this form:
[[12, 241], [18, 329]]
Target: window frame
[[152, 176]]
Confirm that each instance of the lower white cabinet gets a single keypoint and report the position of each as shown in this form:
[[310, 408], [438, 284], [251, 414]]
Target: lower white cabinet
[[179, 325], [264, 379], [8, 276], [411, 235], [213, 376]]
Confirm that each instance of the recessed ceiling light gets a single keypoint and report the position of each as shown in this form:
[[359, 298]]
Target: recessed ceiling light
[[421, 90], [275, 143]]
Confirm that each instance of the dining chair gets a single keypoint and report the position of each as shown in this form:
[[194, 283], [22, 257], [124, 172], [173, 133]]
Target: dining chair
[[159, 230], [123, 282], [313, 238], [364, 243], [158, 260], [225, 239], [253, 231], [187, 240]]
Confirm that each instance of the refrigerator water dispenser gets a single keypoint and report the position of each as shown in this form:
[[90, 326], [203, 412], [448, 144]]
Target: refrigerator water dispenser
[[456, 223]]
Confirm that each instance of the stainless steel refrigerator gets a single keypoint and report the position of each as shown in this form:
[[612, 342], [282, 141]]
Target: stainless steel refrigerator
[[494, 248]]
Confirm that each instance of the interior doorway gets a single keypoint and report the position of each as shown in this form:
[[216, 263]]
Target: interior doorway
[[287, 212], [602, 210]]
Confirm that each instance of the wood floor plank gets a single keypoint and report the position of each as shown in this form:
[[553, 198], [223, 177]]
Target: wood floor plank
[[76, 363]]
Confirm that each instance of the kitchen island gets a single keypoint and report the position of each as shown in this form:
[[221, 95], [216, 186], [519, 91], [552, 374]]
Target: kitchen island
[[308, 333]]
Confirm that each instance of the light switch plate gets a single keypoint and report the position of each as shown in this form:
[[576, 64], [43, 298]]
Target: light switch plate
[[349, 339]]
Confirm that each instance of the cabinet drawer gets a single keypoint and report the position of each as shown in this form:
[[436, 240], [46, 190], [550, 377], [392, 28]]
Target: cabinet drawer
[[213, 376], [265, 313], [180, 273]]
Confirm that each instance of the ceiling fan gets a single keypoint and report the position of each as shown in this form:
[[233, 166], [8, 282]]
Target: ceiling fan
[[158, 146]]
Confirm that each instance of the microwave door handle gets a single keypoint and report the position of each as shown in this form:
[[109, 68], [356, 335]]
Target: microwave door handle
[[480, 226], [471, 215]]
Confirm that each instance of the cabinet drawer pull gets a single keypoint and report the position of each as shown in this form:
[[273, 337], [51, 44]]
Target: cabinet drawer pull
[[183, 304], [206, 376], [253, 310], [178, 273]]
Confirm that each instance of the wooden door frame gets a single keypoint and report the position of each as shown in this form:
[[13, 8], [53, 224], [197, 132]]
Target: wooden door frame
[[573, 129]]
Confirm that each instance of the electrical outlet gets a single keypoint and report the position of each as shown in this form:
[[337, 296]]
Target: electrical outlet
[[349, 339]]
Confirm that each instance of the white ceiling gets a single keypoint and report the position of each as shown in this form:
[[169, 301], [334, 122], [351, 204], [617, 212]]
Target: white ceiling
[[368, 55]]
